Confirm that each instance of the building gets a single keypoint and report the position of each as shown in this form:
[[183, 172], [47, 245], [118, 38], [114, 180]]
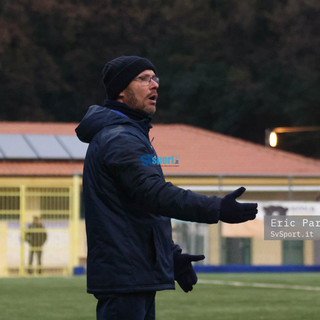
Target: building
[[40, 174]]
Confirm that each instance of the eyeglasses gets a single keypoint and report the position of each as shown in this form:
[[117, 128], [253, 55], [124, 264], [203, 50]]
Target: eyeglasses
[[146, 79]]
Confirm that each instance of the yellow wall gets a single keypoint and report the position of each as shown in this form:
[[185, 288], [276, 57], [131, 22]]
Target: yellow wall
[[263, 252], [82, 243], [266, 252], [214, 243], [56, 201], [4, 247], [243, 180], [308, 256]]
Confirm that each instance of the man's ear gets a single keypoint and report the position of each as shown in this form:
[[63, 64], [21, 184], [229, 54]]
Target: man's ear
[[120, 96]]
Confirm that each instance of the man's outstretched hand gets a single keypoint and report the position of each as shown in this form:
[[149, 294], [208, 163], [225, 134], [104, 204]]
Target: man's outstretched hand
[[236, 212]]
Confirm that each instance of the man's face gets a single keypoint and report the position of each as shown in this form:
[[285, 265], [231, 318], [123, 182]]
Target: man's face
[[141, 94]]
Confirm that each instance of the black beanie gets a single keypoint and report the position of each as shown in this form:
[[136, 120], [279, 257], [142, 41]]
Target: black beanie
[[119, 72]]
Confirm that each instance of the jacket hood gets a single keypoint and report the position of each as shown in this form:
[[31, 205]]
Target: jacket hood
[[98, 117]]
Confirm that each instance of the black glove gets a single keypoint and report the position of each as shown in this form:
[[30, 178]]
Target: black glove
[[235, 212], [183, 270]]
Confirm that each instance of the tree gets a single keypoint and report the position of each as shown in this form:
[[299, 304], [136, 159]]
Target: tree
[[237, 67]]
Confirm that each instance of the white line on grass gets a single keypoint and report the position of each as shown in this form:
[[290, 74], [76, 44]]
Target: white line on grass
[[258, 285]]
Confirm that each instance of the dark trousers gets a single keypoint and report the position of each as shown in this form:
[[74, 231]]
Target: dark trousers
[[126, 306], [39, 255]]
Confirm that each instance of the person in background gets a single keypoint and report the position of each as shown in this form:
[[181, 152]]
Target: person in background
[[128, 205], [36, 236]]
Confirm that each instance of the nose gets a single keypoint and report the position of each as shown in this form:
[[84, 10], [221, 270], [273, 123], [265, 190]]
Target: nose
[[154, 83]]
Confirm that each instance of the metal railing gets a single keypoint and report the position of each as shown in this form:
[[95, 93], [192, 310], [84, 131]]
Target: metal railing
[[39, 229]]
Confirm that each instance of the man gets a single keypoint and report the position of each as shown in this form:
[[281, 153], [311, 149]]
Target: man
[[36, 236], [128, 205]]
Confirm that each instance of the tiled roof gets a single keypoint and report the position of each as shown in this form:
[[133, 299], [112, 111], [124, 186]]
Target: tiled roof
[[34, 167], [199, 151], [206, 152], [40, 168], [38, 127]]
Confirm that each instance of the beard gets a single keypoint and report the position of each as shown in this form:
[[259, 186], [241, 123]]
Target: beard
[[136, 104], [131, 100]]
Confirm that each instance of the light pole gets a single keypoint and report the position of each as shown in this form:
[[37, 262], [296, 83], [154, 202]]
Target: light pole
[[271, 137]]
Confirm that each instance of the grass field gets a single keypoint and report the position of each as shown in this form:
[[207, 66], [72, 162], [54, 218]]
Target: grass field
[[216, 296]]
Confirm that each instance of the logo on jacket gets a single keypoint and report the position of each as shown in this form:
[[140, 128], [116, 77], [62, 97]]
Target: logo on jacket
[[152, 159]]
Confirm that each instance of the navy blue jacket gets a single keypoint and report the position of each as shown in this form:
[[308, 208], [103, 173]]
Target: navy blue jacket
[[128, 206]]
